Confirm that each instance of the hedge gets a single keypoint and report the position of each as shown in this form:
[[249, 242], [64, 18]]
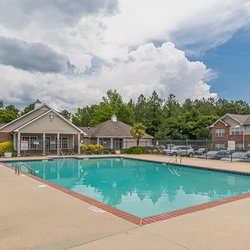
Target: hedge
[[136, 150], [6, 147]]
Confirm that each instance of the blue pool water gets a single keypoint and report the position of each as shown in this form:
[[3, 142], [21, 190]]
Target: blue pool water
[[141, 188]]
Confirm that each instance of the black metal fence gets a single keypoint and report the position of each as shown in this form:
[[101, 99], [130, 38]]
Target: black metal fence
[[206, 149]]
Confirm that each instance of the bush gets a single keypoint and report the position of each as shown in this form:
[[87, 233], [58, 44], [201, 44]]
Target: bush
[[84, 147], [136, 150], [95, 148], [6, 147], [92, 147], [155, 151], [98, 147]]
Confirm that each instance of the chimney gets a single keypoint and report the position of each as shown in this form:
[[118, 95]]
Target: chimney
[[37, 104], [114, 118]]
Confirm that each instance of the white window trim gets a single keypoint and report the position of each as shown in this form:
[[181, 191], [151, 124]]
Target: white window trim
[[220, 134], [29, 141], [237, 131], [222, 145], [61, 142]]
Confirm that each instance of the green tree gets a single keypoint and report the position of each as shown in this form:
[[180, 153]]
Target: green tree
[[13, 109], [66, 114], [7, 116], [27, 109], [138, 131], [84, 116], [141, 109], [172, 107], [8, 113], [110, 105], [1, 104], [154, 113]]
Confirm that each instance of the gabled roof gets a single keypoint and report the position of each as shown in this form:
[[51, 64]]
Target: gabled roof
[[111, 129], [37, 117], [241, 119], [2, 124], [219, 120], [26, 115], [247, 121]]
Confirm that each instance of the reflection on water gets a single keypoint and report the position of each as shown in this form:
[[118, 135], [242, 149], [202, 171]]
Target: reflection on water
[[141, 188]]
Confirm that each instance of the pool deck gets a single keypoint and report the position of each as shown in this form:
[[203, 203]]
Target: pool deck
[[36, 216]]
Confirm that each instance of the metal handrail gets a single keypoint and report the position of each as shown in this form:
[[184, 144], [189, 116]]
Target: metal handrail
[[175, 170], [62, 153], [19, 164], [175, 159]]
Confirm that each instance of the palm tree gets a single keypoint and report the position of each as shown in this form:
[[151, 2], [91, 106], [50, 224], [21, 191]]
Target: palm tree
[[138, 131]]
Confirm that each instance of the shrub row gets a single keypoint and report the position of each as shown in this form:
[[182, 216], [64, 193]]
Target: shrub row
[[136, 150], [92, 147], [6, 147]]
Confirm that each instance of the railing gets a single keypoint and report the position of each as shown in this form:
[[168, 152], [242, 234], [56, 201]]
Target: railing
[[174, 170], [62, 153], [174, 159], [18, 168]]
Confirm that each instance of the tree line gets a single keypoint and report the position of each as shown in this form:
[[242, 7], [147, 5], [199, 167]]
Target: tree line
[[163, 119]]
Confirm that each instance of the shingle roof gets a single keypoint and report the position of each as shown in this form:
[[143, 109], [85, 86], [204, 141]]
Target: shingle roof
[[2, 124], [111, 129], [247, 121], [240, 118], [33, 116]]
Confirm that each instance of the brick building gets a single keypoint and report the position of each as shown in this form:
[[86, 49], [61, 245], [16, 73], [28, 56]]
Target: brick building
[[231, 131]]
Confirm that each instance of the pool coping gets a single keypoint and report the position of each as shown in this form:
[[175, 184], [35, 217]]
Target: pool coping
[[132, 218]]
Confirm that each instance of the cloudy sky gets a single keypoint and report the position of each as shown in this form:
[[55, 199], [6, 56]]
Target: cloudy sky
[[69, 53]]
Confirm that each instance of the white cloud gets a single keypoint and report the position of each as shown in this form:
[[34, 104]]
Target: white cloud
[[144, 70], [31, 57], [98, 35]]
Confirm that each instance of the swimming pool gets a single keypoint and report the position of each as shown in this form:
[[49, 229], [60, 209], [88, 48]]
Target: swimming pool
[[140, 188]]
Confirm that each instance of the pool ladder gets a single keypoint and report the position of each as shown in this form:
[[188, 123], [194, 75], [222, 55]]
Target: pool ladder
[[175, 170], [174, 160], [18, 168], [63, 156], [172, 168]]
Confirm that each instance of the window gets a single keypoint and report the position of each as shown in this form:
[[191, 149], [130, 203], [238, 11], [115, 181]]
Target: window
[[239, 146], [64, 142], [220, 132], [237, 131], [32, 141], [219, 146]]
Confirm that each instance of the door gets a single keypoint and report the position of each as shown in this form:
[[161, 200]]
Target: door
[[47, 144]]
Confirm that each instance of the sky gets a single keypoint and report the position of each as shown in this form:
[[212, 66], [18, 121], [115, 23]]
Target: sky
[[69, 53]]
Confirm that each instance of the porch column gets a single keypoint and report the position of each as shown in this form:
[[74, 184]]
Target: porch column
[[111, 143], [58, 144], [243, 136], [73, 141], [18, 143], [79, 143], [98, 140], [14, 141], [44, 139]]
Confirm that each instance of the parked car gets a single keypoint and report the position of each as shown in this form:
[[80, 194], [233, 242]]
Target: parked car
[[194, 147], [216, 155], [246, 157], [236, 156], [200, 151], [170, 146], [180, 150]]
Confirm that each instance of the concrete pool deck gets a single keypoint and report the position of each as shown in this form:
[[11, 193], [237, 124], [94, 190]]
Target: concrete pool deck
[[36, 216]]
